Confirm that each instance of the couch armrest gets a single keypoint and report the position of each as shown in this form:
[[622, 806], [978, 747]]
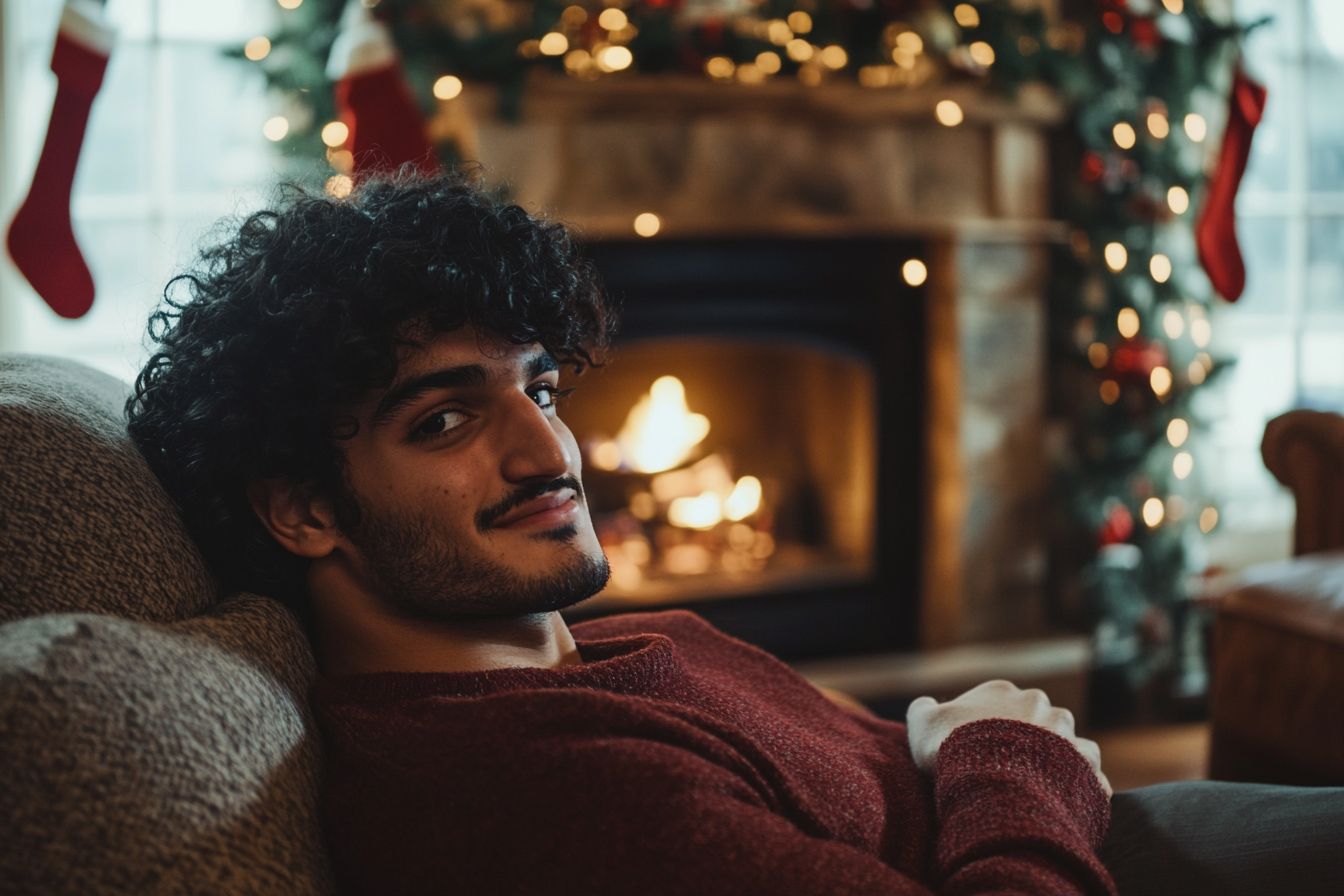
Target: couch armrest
[[1305, 451]]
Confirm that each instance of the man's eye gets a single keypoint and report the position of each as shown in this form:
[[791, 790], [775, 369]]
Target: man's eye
[[439, 423], [545, 396]]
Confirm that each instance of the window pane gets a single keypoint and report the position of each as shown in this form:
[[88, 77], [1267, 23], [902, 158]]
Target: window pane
[[1325, 264], [116, 155], [1325, 124], [218, 108], [1262, 242], [1323, 368]]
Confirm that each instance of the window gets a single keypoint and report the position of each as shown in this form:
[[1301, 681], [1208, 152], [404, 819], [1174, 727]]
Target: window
[[1287, 331], [174, 142]]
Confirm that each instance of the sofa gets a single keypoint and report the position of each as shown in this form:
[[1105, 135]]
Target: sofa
[[155, 735], [1277, 694]]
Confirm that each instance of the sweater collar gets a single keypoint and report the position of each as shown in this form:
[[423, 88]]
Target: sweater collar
[[637, 664]]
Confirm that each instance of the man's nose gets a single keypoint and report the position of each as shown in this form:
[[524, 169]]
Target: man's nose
[[532, 445]]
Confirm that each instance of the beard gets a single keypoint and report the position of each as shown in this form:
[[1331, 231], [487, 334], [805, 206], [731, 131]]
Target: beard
[[422, 571]]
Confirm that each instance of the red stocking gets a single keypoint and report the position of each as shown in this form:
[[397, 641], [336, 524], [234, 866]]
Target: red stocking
[[41, 241], [1215, 233], [386, 128]]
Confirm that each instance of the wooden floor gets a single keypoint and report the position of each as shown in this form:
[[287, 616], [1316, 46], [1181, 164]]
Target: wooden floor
[[1137, 757]]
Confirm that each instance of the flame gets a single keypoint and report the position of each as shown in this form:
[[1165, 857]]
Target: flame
[[661, 431], [701, 512], [745, 499]]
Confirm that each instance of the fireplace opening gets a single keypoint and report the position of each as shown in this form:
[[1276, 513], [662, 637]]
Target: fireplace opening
[[781, 381], [718, 468]]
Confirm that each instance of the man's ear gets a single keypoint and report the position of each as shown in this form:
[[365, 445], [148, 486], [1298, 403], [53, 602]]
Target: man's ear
[[302, 524]]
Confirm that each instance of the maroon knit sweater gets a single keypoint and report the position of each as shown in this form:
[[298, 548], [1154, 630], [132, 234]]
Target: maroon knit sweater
[[677, 760]]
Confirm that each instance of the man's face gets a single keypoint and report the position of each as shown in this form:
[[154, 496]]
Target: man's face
[[468, 486]]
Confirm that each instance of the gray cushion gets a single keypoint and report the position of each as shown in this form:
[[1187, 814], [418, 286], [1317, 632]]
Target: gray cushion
[[84, 525], [143, 758]]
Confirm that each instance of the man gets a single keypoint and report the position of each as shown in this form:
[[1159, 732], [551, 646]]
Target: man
[[355, 406]]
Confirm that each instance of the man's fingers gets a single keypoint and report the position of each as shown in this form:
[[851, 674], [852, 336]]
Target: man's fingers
[[920, 707]]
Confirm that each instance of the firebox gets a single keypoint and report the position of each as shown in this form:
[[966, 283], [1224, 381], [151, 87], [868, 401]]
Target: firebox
[[753, 449]]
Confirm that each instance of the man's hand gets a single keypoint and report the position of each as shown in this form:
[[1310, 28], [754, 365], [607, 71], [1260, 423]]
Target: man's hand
[[930, 722]]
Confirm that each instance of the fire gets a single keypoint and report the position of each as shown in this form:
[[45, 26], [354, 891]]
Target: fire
[[661, 431], [682, 518]]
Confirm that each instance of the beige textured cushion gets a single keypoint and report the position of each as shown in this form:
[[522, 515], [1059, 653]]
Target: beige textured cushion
[[166, 751], [84, 525], [143, 758]]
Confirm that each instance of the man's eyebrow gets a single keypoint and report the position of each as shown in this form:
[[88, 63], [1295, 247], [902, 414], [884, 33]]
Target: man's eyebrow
[[407, 392], [539, 363]]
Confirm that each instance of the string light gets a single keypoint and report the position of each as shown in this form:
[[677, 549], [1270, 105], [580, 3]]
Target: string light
[[982, 53], [1177, 432], [647, 224], [1196, 128], [967, 16], [276, 128], [339, 186], [574, 16], [1124, 135], [289, 4], [1160, 380], [1110, 391], [948, 113], [1201, 332], [834, 57], [914, 272], [1153, 512], [809, 75], [719, 67], [447, 87], [1116, 256], [798, 49], [553, 44], [1098, 354], [334, 133], [1196, 372], [1182, 464], [613, 19], [910, 42], [1127, 322], [257, 49], [1158, 125], [1160, 267], [1208, 518], [778, 32], [800, 22], [1178, 200], [1174, 323], [614, 58], [342, 160], [768, 62], [1174, 6]]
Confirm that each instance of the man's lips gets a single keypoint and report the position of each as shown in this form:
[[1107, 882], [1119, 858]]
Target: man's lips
[[547, 511]]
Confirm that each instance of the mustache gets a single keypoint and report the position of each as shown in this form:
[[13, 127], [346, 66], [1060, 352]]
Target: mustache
[[487, 517]]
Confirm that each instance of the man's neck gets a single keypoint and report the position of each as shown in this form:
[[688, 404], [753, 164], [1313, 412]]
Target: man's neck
[[357, 633]]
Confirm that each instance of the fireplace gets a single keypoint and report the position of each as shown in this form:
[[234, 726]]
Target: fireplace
[[754, 449]]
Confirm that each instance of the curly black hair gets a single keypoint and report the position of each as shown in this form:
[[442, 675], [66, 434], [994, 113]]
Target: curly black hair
[[299, 310]]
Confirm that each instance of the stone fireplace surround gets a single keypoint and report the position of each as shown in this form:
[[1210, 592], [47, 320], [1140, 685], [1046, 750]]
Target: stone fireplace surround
[[725, 163]]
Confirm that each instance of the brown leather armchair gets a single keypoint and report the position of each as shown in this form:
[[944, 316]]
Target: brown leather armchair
[[1277, 701]]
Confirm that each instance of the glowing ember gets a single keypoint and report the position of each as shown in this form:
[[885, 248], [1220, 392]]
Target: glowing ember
[[661, 431]]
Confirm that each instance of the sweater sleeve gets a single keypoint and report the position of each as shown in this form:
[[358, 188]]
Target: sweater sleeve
[[1020, 807]]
